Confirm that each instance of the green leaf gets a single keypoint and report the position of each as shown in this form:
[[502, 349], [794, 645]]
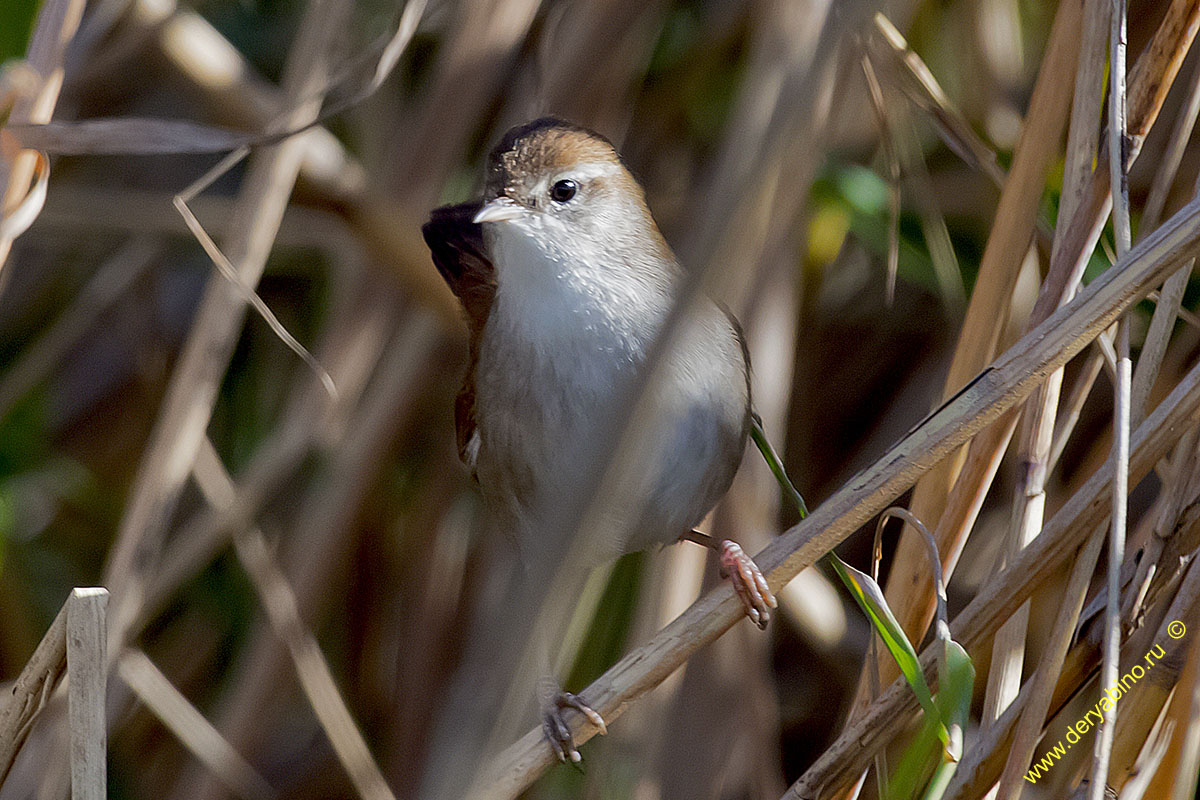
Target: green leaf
[[956, 681], [913, 767], [869, 596]]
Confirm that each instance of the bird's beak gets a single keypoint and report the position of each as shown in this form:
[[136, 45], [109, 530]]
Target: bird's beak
[[499, 210]]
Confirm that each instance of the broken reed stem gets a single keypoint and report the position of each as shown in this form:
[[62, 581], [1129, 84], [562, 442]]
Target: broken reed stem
[[87, 673]]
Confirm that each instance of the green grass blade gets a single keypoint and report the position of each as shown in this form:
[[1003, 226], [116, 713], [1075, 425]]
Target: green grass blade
[[775, 465]]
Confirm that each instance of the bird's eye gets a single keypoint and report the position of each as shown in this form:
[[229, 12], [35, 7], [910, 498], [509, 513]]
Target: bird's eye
[[563, 190]]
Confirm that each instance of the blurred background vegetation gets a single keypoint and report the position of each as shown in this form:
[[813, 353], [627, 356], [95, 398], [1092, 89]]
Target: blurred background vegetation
[[748, 113]]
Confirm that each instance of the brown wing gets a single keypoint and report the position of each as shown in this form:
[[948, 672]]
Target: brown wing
[[456, 244]]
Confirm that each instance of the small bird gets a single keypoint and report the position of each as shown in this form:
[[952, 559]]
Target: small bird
[[566, 281]]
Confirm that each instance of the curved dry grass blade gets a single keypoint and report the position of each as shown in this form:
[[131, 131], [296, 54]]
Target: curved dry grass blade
[[887, 144], [230, 273], [923, 89]]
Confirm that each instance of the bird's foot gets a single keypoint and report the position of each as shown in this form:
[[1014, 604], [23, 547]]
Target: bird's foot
[[558, 733], [748, 582]]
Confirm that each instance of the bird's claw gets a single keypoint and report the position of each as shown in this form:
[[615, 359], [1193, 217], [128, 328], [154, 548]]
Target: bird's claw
[[748, 582], [558, 733]]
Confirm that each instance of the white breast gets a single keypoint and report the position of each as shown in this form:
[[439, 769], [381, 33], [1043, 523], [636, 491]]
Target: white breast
[[561, 343]]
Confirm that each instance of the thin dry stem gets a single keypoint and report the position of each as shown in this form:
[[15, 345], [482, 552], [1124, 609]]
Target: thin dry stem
[[279, 602], [191, 395], [1119, 180], [191, 728]]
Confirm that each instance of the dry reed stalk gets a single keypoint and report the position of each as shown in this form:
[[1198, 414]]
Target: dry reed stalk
[[191, 394], [909, 590], [1118, 164], [1039, 413], [1005, 592], [997, 389], [1033, 711], [81, 210], [1150, 79]]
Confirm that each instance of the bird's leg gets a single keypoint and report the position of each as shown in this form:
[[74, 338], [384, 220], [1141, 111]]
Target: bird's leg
[[747, 579], [558, 732]]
